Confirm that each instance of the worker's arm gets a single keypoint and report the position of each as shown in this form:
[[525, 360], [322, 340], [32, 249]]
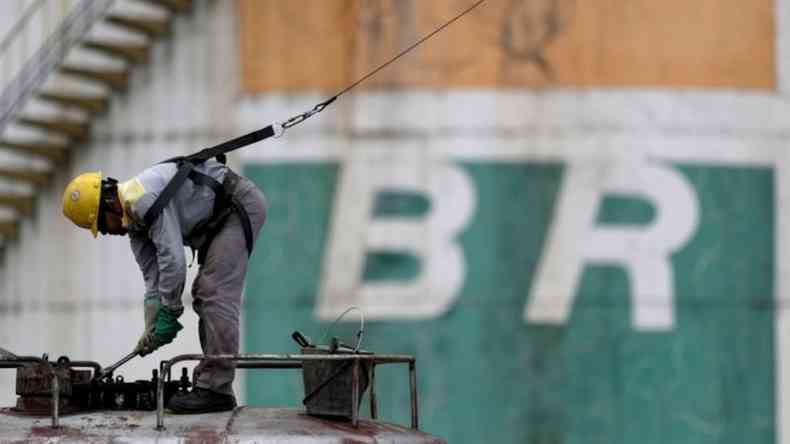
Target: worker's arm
[[165, 234], [161, 254], [145, 254]]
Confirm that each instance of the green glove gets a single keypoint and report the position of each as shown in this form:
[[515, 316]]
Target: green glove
[[166, 327]]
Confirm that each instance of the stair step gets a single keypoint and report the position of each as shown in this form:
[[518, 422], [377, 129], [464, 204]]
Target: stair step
[[152, 27], [71, 128], [36, 177], [56, 152], [134, 53], [114, 79], [9, 229], [173, 5], [24, 204], [91, 103]]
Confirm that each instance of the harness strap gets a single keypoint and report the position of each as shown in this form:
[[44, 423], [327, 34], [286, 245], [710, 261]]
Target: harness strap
[[188, 163], [220, 197], [230, 145], [170, 190], [215, 227], [246, 225], [186, 170]]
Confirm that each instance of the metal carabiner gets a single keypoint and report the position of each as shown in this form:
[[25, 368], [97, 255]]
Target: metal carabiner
[[295, 120]]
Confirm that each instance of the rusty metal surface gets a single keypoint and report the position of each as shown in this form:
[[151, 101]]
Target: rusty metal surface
[[37, 380], [243, 425]]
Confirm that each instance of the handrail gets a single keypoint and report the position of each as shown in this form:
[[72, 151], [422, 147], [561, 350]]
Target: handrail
[[275, 361], [14, 32], [36, 68], [18, 361]]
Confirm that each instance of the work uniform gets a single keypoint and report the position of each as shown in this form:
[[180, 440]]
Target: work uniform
[[159, 251]]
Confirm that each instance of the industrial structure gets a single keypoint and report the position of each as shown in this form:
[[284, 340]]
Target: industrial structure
[[573, 215]]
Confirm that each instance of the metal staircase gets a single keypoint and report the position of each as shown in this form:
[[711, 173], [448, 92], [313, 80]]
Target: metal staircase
[[60, 65]]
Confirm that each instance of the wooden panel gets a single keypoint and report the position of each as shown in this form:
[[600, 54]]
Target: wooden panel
[[509, 43]]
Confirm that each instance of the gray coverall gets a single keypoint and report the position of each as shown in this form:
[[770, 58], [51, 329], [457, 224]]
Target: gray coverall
[[159, 251]]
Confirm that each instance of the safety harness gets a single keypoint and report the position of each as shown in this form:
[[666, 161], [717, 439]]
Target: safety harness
[[224, 203]]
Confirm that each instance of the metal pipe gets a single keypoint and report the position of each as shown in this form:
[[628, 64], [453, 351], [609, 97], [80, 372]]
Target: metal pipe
[[160, 397], [14, 365], [55, 400], [14, 32], [379, 359], [86, 364], [253, 360], [415, 422], [374, 408], [355, 394], [23, 360], [268, 364]]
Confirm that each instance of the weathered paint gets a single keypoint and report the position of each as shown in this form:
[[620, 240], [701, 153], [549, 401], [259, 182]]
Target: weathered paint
[[243, 425], [508, 43]]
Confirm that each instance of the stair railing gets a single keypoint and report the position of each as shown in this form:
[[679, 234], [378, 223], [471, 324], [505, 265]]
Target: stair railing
[[37, 44]]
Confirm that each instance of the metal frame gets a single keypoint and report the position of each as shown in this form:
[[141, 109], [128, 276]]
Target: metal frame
[[245, 361], [269, 361], [21, 361]]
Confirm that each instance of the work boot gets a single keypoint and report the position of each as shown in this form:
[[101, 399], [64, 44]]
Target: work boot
[[201, 400]]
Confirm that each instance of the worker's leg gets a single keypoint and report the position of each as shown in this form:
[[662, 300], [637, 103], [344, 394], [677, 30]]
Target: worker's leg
[[217, 292]]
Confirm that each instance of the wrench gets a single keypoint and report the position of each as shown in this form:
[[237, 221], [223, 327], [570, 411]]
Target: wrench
[[113, 367]]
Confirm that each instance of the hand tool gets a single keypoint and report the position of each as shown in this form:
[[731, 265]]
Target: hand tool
[[113, 367]]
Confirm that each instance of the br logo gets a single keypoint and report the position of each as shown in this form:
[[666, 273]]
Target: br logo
[[575, 239]]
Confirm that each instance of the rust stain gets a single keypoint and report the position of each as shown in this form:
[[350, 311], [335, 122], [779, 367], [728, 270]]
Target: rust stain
[[202, 436], [529, 27], [50, 432]]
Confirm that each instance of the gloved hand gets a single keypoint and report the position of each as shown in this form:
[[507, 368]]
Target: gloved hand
[[151, 307], [166, 327]]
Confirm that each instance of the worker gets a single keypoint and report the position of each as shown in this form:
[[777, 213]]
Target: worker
[[217, 213]]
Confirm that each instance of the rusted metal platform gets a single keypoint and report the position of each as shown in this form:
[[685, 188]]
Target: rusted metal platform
[[57, 404], [243, 425]]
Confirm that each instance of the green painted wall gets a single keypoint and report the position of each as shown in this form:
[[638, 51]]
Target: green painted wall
[[485, 374]]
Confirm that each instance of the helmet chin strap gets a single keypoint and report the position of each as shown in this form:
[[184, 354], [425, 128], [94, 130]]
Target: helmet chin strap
[[108, 201]]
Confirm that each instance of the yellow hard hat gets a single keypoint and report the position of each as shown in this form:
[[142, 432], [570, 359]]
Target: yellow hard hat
[[81, 201]]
